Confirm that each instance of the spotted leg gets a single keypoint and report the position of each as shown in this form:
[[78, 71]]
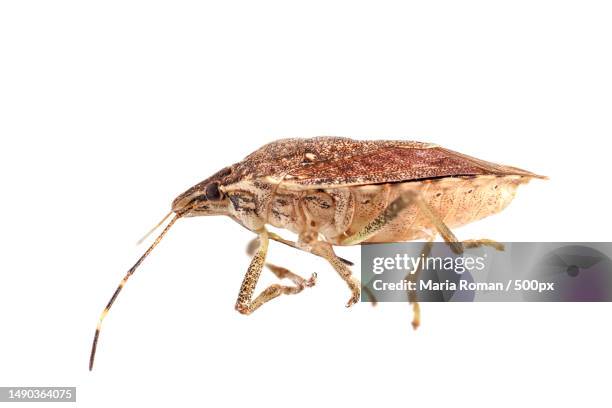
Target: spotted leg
[[245, 303], [281, 272], [310, 243]]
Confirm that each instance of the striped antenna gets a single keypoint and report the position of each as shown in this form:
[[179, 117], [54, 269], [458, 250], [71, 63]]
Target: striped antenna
[[124, 280]]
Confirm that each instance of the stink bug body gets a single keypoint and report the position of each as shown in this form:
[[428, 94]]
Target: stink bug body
[[338, 191]]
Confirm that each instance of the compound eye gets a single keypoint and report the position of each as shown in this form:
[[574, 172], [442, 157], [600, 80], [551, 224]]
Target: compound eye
[[212, 192]]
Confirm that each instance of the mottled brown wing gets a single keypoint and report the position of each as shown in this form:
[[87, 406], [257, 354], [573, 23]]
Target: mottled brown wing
[[394, 164], [277, 159]]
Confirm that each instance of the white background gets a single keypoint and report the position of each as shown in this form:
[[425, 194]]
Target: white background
[[108, 110]]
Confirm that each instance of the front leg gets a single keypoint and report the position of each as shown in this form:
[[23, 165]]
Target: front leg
[[245, 303], [279, 271]]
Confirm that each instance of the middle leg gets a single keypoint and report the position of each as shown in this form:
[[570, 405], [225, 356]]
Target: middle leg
[[325, 250]]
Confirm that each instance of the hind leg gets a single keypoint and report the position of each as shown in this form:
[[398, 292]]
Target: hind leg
[[392, 211], [414, 277], [408, 198]]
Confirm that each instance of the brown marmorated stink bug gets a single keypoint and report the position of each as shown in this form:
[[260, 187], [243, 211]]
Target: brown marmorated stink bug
[[338, 191]]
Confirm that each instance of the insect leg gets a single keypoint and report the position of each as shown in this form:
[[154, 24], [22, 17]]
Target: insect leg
[[450, 238], [281, 272], [275, 237], [408, 198], [300, 282], [414, 277], [325, 250], [389, 214], [475, 243], [245, 303]]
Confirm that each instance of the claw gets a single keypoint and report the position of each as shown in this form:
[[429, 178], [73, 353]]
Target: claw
[[352, 300], [310, 282]]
